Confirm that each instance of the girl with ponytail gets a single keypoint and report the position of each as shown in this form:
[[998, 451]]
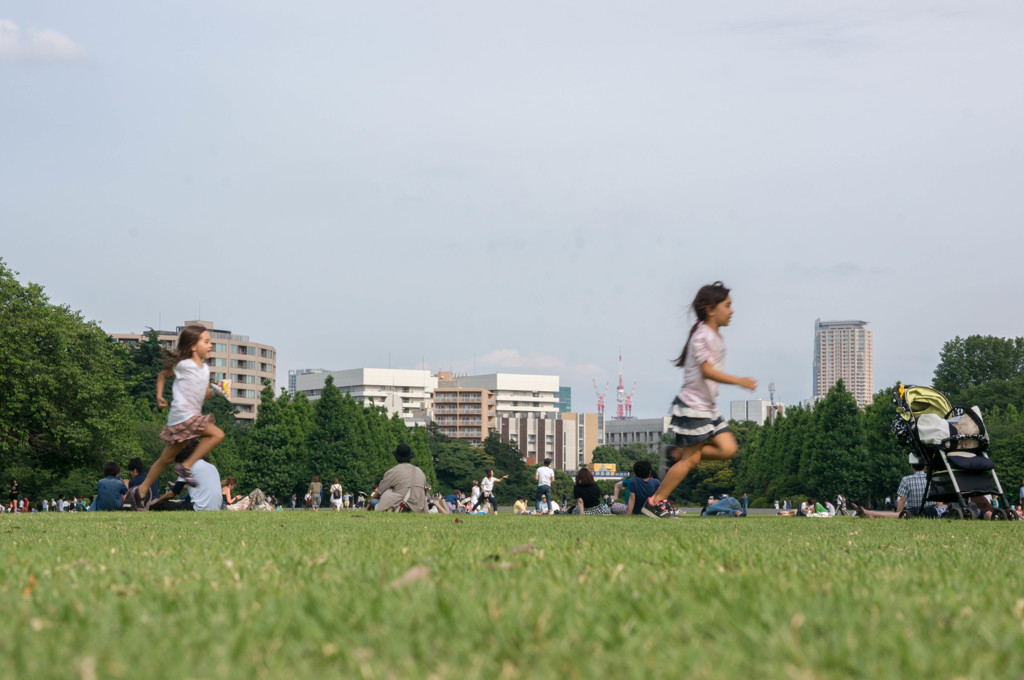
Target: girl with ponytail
[[701, 431]]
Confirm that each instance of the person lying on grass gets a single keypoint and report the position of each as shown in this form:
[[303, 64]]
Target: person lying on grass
[[727, 506]]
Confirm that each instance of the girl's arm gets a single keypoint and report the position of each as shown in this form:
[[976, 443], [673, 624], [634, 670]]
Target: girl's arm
[[579, 506], [711, 373], [161, 380], [629, 504]]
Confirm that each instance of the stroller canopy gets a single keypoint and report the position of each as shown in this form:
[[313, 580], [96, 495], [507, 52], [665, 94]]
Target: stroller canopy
[[913, 401]]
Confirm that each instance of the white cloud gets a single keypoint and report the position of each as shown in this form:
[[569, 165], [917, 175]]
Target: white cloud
[[36, 44]]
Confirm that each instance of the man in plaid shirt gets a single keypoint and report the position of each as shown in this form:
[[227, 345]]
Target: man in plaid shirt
[[909, 496], [911, 490]]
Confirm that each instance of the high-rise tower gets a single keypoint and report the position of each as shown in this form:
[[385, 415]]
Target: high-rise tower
[[844, 349]]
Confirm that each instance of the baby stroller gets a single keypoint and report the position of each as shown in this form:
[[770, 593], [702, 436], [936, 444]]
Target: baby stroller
[[952, 444]]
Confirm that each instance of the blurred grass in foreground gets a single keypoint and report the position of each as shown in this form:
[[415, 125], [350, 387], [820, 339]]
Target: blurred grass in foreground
[[358, 595]]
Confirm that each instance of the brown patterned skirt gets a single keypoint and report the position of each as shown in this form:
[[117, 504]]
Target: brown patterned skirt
[[190, 429]]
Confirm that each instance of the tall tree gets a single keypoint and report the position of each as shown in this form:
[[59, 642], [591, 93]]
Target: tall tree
[[886, 460], [977, 359], [63, 403], [836, 463]]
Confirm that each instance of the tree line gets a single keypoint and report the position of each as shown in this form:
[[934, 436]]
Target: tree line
[[835, 447], [71, 399]]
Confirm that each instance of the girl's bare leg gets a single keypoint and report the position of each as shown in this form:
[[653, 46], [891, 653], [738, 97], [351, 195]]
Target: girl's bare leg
[[720, 447], [166, 458], [211, 436]]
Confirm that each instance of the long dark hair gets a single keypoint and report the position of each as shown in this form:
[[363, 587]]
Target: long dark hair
[[584, 477], [187, 339], [707, 297]]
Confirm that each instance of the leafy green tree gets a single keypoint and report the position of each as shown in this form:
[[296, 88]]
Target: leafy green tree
[[275, 457], [142, 365], [886, 460], [63, 402], [977, 359], [992, 394], [836, 462]]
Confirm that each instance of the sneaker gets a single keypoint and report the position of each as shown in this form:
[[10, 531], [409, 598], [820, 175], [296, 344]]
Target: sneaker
[[185, 474], [660, 509]]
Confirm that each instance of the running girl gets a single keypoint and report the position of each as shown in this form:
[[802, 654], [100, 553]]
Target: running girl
[[187, 364], [701, 431]]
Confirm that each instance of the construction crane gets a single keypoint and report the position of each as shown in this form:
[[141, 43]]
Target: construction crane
[[600, 397], [624, 402]]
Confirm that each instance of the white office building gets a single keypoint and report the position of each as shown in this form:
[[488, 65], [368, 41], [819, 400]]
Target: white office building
[[646, 431], [517, 395], [755, 410], [407, 392]]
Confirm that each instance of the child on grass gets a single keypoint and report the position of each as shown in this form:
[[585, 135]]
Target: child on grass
[[701, 431], [187, 364]]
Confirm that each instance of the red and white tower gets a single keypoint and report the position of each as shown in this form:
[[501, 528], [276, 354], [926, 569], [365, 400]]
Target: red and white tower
[[623, 401]]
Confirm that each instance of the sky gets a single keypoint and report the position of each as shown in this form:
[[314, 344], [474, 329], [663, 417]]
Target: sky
[[522, 187]]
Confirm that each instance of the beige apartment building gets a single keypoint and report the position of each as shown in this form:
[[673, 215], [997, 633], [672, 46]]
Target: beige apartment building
[[246, 363], [844, 349], [466, 413], [568, 439]]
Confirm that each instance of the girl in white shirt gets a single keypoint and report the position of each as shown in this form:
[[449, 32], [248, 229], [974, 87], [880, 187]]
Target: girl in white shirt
[[701, 431], [185, 421]]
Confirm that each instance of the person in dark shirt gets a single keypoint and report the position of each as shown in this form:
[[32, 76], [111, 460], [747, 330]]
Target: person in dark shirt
[[110, 489], [641, 486], [587, 494]]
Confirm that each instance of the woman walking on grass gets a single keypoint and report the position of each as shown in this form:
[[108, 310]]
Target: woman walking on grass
[[701, 431], [315, 490]]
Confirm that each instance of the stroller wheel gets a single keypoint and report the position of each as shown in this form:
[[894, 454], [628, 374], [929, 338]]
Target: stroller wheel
[[955, 513], [1000, 514]]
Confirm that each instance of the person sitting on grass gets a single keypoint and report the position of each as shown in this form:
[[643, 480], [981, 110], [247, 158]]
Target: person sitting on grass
[[727, 506], [205, 494], [229, 485], [910, 496], [137, 472], [641, 485], [110, 490], [404, 484], [519, 507], [588, 495], [619, 507]]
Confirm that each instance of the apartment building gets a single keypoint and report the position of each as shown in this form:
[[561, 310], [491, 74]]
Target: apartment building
[[469, 414], [406, 392], [568, 439], [516, 395], [245, 362], [844, 349]]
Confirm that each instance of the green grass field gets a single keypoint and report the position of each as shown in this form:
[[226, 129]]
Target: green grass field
[[357, 595]]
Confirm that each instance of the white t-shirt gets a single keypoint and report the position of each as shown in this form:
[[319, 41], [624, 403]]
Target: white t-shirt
[[545, 476], [188, 391], [205, 494], [487, 483], [705, 346]]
